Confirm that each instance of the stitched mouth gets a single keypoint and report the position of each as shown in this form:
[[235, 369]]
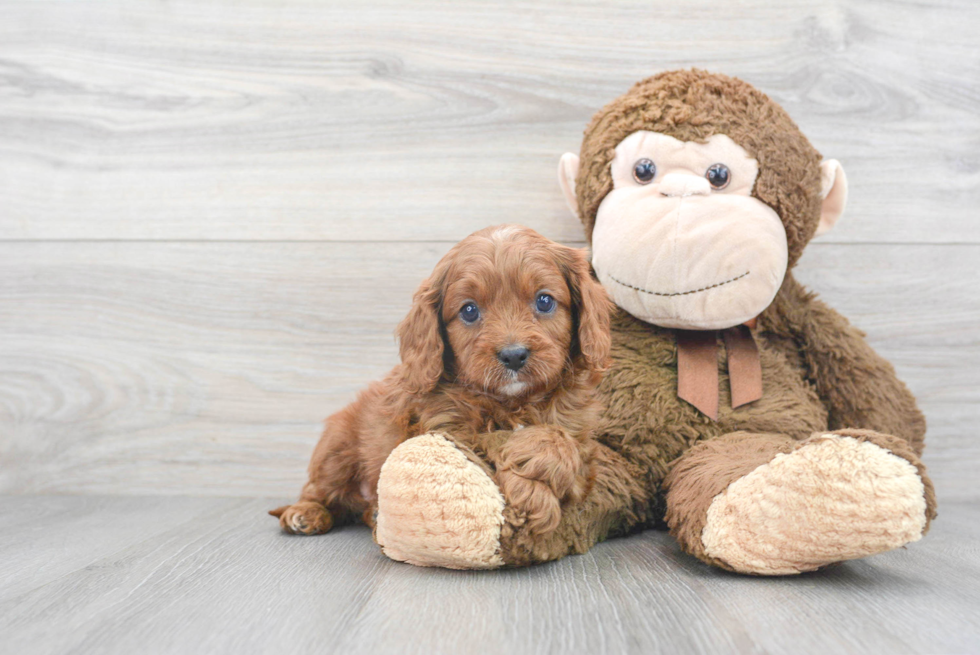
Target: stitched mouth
[[678, 293]]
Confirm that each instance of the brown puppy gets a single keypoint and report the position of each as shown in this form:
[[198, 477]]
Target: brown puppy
[[501, 351]]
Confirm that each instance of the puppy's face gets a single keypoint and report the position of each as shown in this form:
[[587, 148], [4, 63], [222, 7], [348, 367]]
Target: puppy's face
[[507, 312], [515, 309]]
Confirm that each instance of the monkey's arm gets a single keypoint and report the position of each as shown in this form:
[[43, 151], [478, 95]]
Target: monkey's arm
[[858, 386]]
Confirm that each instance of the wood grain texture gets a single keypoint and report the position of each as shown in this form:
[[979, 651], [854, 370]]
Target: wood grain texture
[[225, 580], [206, 368], [212, 214], [45, 538], [425, 121]]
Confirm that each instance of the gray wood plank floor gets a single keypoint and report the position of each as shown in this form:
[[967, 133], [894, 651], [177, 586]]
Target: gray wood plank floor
[[209, 575]]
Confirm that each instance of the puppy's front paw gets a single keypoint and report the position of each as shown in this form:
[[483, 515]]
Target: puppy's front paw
[[533, 501], [539, 469], [305, 517]]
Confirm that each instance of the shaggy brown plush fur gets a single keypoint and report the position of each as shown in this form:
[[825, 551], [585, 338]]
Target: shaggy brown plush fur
[[818, 372], [452, 381]]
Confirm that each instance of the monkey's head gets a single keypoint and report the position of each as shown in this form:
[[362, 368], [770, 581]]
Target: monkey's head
[[698, 193]]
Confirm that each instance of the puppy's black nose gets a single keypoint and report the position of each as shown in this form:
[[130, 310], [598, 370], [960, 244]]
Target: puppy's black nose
[[513, 357]]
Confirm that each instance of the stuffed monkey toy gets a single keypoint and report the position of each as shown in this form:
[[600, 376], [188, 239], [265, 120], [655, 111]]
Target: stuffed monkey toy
[[740, 411]]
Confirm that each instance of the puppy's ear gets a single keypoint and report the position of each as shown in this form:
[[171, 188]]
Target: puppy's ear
[[420, 341], [590, 308]]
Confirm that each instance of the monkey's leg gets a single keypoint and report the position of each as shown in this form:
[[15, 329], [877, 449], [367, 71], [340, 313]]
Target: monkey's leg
[[438, 505], [764, 504]]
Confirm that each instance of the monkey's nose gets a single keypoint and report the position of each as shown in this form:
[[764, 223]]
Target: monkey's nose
[[513, 357], [681, 185]]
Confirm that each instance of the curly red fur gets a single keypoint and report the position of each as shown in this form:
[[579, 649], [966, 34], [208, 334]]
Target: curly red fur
[[533, 425]]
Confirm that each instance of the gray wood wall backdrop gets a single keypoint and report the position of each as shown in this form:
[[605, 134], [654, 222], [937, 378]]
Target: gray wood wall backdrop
[[212, 214]]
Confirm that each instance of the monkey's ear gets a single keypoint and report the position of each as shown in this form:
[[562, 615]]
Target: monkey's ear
[[833, 190], [420, 341], [567, 171]]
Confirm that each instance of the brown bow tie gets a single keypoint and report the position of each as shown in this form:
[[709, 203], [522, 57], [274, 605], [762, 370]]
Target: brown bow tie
[[697, 367]]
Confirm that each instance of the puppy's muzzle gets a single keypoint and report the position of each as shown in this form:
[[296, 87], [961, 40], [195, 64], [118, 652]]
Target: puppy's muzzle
[[513, 357]]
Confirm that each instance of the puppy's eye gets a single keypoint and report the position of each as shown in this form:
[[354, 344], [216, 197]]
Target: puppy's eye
[[718, 176], [544, 303], [469, 313], [644, 170]]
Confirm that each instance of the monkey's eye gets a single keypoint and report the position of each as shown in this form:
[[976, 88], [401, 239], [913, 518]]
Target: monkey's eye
[[644, 170], [718, 176], [544, 303], [469, 313]]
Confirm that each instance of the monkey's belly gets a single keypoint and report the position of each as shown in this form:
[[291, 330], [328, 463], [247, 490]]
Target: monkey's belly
[[648, 424]]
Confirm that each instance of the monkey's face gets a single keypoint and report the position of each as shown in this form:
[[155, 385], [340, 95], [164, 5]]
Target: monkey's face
[[680, 242]]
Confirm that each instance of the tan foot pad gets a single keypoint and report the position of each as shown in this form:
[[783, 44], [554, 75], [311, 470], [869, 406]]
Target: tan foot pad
[[833, 499], [437, 508]]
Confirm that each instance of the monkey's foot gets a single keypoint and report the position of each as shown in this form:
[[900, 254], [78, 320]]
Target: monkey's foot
[[437, 507], [836, 497]]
